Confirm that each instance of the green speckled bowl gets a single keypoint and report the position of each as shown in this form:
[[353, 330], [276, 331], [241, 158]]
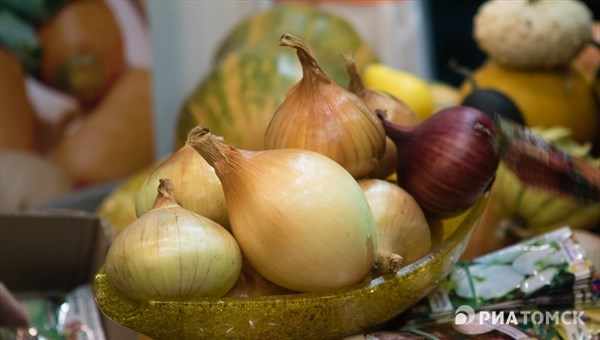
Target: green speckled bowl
[[332, 315]]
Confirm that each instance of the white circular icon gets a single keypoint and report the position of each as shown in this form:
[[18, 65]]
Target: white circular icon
[[464, 315]]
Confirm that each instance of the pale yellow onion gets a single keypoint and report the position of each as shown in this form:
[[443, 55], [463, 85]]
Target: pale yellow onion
[[395, 110], [172, 253], [197, 187], [300, 219], [401, 224], [319, 115]]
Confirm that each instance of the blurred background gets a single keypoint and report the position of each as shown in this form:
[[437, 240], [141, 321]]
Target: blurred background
[[177, 41], [95, 94]]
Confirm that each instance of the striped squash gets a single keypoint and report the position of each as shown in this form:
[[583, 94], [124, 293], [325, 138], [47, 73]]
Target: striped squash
[[324, 32], [538, 210], [237, 98]]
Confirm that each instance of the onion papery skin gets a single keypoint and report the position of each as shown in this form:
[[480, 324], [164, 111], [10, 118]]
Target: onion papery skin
[[172, 253], [447, 161], [252, 284], [354, 140], [314, 233], [196, 185], [402, 228], [395, 111], [321, 116], [300, 218]]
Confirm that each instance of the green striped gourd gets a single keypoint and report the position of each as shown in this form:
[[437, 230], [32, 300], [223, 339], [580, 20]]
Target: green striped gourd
[[538, 210], [237, 99], [324, 32]]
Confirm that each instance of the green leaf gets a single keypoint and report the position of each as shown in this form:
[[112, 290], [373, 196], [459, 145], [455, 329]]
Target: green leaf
[[478, 278], [35, 10], [19, 37]]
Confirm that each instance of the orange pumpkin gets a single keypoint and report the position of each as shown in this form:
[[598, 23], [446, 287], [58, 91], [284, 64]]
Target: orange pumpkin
[[116, 138], [559, 97], [82, 50], [17, 116]]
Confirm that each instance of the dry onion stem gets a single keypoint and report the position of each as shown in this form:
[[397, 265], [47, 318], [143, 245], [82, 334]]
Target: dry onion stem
[[395, 110]]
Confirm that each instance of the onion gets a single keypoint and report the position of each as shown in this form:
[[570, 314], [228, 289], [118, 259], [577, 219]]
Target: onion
[[402, 230], [197, 187], [172, 253], [319, 115], [300, 218], [396, 111], [447, 161], [252, 284]]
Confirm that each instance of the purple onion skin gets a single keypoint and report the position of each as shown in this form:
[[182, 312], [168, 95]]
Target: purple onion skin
[[449, 160]]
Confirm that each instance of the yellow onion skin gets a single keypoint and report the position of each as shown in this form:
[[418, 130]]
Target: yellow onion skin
[[171, 253], [300, 218], [395, 110], [319, 115], [197, 187], [252, 284], [402, 228]]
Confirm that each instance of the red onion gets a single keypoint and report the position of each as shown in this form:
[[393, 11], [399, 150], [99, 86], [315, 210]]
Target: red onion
[[447, 161]]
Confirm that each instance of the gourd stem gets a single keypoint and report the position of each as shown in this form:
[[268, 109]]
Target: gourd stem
[[465, 72]]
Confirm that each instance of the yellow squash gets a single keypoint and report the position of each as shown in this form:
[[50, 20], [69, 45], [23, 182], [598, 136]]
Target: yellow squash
[[407, 87], [559, 97]]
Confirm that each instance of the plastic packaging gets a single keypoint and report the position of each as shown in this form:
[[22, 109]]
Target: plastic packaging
[[73, 316], [549, 270]]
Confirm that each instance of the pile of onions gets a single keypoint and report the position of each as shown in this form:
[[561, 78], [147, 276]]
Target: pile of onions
[[301, 220], [173, 253], [296, 210]]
